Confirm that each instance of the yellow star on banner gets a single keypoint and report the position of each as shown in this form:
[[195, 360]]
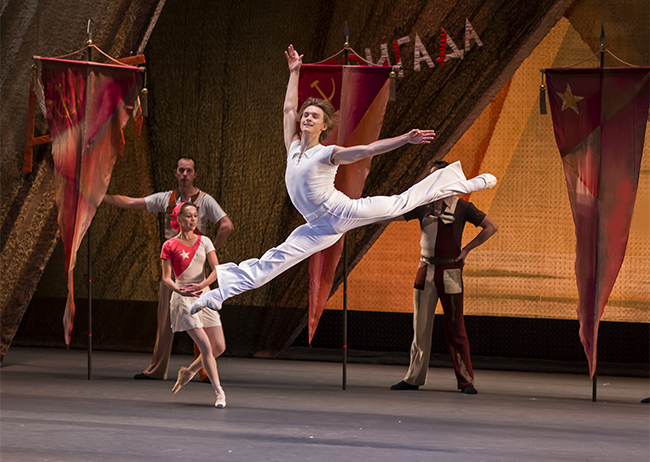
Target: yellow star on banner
[[569, 100], [185, 254]]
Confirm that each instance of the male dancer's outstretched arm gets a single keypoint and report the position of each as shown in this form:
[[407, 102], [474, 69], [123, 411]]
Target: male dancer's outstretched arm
[[341, 155]]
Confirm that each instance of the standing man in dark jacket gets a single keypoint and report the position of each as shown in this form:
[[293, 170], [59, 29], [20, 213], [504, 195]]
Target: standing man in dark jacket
[[439, 276]]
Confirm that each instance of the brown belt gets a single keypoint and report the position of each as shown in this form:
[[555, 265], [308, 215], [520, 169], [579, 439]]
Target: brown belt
[[438, 261]]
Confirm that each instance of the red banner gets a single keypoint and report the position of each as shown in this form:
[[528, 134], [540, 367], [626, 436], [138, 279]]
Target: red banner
[[599, 118], [87, 105], [360, 95]]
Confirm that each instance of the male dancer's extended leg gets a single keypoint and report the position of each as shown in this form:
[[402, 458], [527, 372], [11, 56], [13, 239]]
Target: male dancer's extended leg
[[438, 185], [234, 279]]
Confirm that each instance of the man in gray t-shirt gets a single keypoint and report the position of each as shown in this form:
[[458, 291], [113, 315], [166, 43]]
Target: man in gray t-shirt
[[208, 210]]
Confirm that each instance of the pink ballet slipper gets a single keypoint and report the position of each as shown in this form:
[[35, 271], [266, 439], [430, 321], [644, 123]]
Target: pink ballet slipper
[[184, 376]]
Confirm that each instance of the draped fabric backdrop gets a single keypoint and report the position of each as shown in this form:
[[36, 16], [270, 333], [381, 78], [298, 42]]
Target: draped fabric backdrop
[[217, 78]]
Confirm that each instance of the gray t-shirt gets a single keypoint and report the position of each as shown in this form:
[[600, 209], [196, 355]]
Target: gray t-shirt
[[208, 209]]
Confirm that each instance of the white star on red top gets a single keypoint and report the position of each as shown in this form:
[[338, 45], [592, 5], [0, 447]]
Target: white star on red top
[[185, 254]]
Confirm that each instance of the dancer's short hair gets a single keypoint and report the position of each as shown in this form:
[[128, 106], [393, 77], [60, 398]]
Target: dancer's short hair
[[186, 158], [439, 164], [329, 114]]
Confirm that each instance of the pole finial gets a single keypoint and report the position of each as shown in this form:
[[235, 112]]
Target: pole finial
[[602, 33], [602, 45]]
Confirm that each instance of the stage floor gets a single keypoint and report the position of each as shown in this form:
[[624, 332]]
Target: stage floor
[[297, 411]]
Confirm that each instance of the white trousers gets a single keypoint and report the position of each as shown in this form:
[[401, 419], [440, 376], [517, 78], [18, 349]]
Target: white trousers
[[336, 219]]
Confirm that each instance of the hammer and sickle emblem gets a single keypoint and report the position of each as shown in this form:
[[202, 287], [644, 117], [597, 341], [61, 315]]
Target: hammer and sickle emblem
[[67, 114], [315, 85]]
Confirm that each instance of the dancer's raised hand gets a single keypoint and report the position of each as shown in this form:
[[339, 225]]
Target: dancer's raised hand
[[417, 136], [294, 60]]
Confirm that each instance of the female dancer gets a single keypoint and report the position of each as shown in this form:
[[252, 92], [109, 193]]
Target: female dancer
[[311, 168], [185, 254]]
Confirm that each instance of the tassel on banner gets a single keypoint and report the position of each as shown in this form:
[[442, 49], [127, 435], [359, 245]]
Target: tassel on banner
[[143, 94], [542, 95], [143, 102], [391, 86]]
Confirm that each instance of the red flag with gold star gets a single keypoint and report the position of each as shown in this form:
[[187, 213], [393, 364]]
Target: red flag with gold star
[[86, 105], [360, 95], [599, 118]]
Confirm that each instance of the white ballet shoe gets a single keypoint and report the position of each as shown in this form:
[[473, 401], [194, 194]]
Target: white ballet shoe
[[482, 181], [490, 180], [221, 400], [184, 376], [207, 300]]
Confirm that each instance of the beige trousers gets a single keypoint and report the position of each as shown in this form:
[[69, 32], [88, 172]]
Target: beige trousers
[[446, 284], [162, 349]]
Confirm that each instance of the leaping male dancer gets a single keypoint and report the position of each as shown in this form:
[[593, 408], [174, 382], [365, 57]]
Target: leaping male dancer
[[311, 168]]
